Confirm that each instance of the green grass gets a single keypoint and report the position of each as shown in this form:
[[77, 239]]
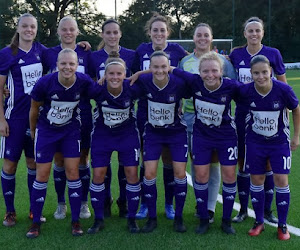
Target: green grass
[[56, 234]]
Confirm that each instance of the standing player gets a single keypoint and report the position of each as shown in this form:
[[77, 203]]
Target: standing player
[[115, 130], [164, 128], [54, 111], [20, 68], [111, 35], [68, 31], [214, 130], [203, 39], [240, 58], [158, 28], [267, 138]]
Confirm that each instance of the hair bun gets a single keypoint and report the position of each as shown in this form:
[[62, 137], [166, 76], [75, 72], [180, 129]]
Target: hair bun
[[114, 54]]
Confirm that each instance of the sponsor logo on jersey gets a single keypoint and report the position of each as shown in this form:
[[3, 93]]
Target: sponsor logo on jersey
[[265, 122], [55, 96], [113, 117], [161, 114], [30, 75], [209, 113], [74, 195], [61, 112]]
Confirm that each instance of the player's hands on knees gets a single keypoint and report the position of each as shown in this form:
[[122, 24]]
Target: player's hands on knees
[[294, 143], [4, 128]]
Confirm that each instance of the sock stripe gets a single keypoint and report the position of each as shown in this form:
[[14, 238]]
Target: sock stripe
[[7, 176], [180, 181], [244, 175], [269, 173], [255, 188], [31, 171], [74, 184], [97, 187], [149, 182], [39, 185], [58, 169], [200, 186], [133, 188], [230, 190], [282, 190]]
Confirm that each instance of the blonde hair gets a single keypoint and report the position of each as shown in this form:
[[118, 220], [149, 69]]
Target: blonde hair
[[210, 56], [66, 51]]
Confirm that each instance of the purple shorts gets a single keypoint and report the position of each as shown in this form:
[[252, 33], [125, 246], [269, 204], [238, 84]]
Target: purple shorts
[[257, 156], [49, 141], [86, 129], [203, 148], [126, 144], [155, 139], [19, 139]]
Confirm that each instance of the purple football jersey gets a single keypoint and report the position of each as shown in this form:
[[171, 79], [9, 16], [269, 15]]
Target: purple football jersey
[[241, 58], [114, 113], [23, 71], [49, 59], [60, 103], [213, 118], [98, 58], [163, 103], [267, 120]]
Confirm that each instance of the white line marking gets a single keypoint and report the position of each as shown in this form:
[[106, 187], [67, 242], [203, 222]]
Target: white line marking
[[236, 206]]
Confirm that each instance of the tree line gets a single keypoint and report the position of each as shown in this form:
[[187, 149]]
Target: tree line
[[282, 20]]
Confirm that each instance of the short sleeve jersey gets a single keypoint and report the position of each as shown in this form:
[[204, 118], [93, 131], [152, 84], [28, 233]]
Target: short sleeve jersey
[[98, 58], [267, 121], [60, 103], [163, 103], [23, 71], [212, 107], [241, 58], [50, 58], [190, 64], [115, 113]]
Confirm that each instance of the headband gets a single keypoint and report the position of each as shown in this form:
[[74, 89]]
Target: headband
[[115, 62], [251, 23]]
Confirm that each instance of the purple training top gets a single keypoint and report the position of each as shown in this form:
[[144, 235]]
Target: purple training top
[[22, 71], [98, 58], [213, 118], [267, 121], [59, 107]]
